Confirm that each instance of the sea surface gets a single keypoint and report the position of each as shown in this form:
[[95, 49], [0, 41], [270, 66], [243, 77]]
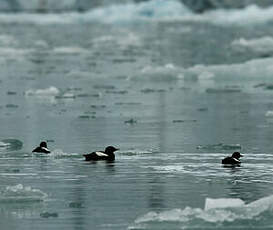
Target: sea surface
[[174, 90]]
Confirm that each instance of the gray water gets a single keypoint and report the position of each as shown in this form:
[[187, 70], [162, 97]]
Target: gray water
[[175, 95]]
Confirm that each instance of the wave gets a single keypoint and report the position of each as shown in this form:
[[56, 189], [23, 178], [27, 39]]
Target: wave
[[153, 10], [218, 211], [58, 154]]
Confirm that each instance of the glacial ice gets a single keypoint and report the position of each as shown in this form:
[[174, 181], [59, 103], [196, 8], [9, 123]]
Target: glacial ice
[[216, 211], [153, 10]]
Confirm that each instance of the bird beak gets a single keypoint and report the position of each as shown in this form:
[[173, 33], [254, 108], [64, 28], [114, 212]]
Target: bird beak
[[116, 149], [241, 155]]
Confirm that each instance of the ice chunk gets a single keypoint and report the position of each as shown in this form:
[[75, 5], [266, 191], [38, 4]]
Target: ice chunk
[[163, 73], [47, 92], [260, 45], [222, 203], [216, 211], [69, 50], [21, 193], [7, 40], [269, 113]]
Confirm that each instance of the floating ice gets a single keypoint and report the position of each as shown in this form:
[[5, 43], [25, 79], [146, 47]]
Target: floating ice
[[124, 39], [59, 153], [250, 15], [153, 10], [69, 50], [222, 203], [9, 53], [269, 113], [65, 96], [21, 193], [45, 5], [48, 92], [131, 12], [135, 152], [260, 45], [166, 72], [41, 44], [256, 68], [216, 211], [7, 40], [169, 169], [40, 19]]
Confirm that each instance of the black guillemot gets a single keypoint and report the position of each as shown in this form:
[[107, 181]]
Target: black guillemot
[[42, 148], [233, 160], [107, 154]]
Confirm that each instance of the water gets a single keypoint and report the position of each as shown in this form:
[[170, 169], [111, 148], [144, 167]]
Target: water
[[174, 90]]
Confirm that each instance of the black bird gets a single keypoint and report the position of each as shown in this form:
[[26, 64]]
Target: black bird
[[233, 160], [42, 148], [108, 155]]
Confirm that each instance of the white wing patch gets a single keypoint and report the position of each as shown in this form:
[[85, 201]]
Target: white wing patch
[[45, 149], [101, 154], [236, 160]]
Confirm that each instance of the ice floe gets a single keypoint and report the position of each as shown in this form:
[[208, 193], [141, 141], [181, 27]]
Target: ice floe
[[254, 69], [20, 193], [47, 92], [216, 211], [263, 45]]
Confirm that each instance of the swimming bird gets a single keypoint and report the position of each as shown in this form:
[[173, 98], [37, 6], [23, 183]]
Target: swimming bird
[[107, 154], [42, 148], [233, 160]]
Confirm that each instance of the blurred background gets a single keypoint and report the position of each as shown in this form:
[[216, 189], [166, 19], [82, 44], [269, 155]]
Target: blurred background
[[83, 5]]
